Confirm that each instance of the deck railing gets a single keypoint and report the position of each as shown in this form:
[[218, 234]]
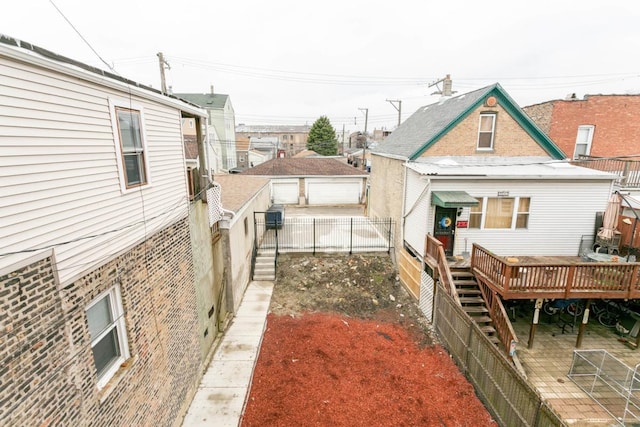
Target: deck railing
[[557, 279], [629, 170], [434, 250]]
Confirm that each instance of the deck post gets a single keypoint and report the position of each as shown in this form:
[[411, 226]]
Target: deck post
[[583, 324], [534, 323]]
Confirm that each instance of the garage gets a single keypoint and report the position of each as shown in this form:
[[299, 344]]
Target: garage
[[334, 191], [284, 191]]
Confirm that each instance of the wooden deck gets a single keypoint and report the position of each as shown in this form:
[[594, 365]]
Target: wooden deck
[[527, 277]]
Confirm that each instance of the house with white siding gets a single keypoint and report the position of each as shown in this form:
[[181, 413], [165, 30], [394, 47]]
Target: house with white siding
[[96, 267], [475, 169]]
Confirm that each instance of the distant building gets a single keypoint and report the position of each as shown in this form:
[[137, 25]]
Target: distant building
[[597, 125], [292, 139], [221, 125]]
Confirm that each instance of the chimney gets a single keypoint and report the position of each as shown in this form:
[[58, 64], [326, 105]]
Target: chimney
[[211, 89], [447, 86]]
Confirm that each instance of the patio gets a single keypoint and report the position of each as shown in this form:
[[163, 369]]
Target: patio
[[548, 363]]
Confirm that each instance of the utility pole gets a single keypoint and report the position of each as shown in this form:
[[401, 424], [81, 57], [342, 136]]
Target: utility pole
[[397, 107], [364, 145], [163, 64], [343, 138]]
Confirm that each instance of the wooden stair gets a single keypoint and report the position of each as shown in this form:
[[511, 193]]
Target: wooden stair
[[472, 302]]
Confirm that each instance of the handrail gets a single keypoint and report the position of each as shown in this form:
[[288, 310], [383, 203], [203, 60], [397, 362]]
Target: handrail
[[557, 279], [500, 319], [434, 249]]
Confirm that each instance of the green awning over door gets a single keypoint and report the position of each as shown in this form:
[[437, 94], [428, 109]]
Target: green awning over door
[[452, 199]]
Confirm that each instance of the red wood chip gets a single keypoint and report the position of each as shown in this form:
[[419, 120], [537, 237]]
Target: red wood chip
[[327, 370]]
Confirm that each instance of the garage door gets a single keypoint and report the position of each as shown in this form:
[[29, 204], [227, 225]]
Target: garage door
[[284, 191], [333, 192]]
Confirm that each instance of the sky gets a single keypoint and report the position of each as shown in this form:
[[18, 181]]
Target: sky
[[289, 62]]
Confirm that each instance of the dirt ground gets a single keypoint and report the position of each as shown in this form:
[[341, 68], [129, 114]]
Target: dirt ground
[[364, 286], [345, 345]]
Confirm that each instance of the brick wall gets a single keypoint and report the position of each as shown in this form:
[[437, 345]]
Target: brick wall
[[615, 117], [50, 358], [510, 139], [386, 194]]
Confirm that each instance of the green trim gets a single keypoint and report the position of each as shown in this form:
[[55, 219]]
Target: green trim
[[453, 199], [514, 111]]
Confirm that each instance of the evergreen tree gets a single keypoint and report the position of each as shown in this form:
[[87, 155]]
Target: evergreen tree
[[322, 137]]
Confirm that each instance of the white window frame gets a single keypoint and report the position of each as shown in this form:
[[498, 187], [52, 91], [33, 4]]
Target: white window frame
[[590, 129], [114, 105], [514, 213], [480, 132], [117, 314]]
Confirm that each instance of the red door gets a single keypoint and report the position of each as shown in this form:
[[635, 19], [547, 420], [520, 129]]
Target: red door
[[444, 227]]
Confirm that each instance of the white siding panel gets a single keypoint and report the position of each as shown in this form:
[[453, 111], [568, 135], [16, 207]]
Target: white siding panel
[[417, 203], [59, 178], [561, 213]]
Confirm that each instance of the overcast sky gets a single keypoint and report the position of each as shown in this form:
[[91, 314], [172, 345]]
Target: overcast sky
[[288, 62]]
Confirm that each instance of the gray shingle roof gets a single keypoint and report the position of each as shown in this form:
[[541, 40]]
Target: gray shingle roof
[[426, 123], [305, 166], [205, 100]]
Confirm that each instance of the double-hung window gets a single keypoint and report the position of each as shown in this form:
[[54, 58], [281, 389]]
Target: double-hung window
[[128, 128], [500, 213], [105, 318], [583, 141], [133, 156], [486, 130]]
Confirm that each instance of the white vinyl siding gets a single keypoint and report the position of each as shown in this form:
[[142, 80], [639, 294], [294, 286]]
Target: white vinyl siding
[[560, 213], [417, 208], [59, 171], [333, 191]]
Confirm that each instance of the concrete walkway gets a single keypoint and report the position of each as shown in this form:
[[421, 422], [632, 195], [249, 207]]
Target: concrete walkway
[[223, 390]]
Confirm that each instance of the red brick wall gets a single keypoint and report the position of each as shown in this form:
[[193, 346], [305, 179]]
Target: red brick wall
[[48, 373], [616, 119]]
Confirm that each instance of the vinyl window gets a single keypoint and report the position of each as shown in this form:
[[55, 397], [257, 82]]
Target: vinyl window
[[583, 141], [500, 213], [131, 147], [486, 130], [105, 318]]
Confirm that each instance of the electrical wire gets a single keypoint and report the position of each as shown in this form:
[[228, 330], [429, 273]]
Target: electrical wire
[[82, 37]]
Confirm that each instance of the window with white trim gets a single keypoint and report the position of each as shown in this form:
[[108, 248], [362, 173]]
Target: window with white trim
[[486, 131], [583, 141], [131, 148], [130, 138], [500, 213], [105, 318]]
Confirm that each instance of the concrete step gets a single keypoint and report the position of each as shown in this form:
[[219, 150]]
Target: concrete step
[[265, 277]]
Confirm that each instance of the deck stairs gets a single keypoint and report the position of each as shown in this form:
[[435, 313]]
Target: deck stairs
[[472, 302], [265, 265]]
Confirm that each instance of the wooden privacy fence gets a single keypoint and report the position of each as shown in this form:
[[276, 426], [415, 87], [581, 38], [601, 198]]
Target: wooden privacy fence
[[498, 384]]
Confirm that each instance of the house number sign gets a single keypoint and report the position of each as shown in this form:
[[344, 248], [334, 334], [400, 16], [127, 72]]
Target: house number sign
[[503, 194]]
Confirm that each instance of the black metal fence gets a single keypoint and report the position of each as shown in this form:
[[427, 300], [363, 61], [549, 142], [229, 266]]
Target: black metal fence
[[505, 393], [323, 234]]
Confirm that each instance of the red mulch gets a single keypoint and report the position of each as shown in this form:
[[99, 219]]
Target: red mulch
[[327, 370]]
